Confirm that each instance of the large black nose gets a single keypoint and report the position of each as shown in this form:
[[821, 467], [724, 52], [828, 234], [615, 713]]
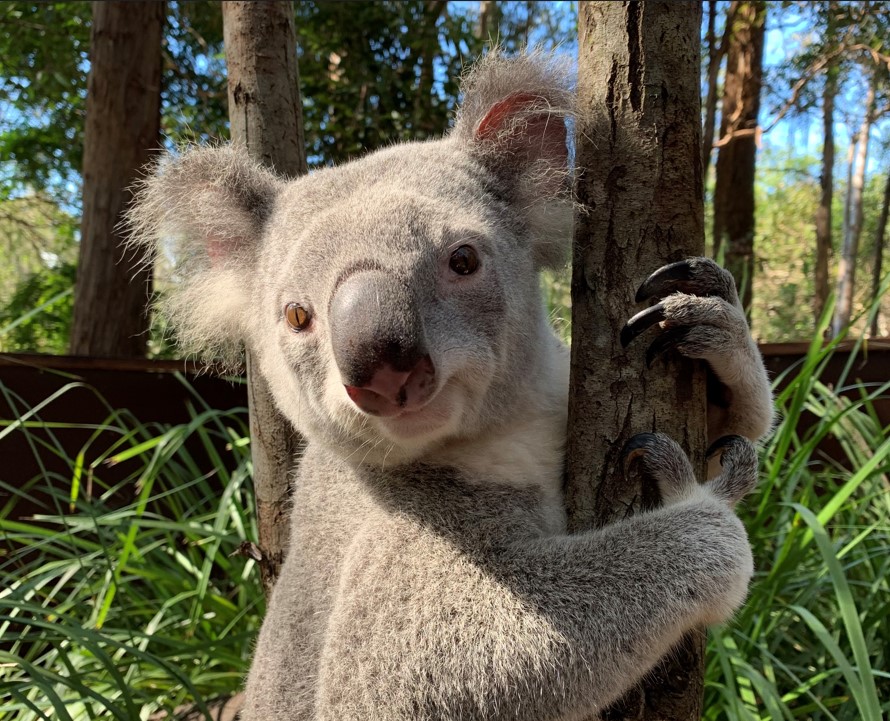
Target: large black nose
[[379, 345]]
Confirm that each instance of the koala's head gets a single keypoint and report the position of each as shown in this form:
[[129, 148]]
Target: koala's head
[[392, 303]]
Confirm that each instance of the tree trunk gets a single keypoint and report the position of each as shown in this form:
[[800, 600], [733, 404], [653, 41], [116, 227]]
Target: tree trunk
[[640, 186], [823, 211], [487, 19], [266, 117], [716, 54], [878, 270], [846, 277], [427, 50], [123, 122], [734, 191]]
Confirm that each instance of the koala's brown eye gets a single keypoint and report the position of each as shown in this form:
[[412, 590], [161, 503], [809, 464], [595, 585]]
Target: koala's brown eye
[[464, 260], [297, 317]]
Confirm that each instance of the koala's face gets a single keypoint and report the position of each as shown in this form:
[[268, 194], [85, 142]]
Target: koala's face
[[394, 313], [392, 303]]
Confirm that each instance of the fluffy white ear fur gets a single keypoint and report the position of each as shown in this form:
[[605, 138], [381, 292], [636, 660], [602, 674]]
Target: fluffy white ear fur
[[513, 118], [207, 208]]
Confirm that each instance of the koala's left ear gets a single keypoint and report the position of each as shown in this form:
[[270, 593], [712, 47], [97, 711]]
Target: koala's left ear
[[513, 118], [207, 208]]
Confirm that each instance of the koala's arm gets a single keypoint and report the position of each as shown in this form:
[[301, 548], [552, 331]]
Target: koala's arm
[[537, 629], [700, 315]]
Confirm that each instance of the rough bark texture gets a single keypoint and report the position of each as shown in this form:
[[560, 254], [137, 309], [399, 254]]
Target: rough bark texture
[[640, 190], [122, 132], [846, 274], [823, 211], [878, 271], [266, 117], [734, 190]]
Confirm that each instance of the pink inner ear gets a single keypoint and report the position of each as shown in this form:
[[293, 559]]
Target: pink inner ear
[[540, 135]]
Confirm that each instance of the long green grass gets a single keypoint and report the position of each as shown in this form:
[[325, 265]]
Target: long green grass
[[114, 608], [121, 601], [813, 642]]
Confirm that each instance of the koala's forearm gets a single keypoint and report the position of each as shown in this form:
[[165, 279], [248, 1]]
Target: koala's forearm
[[534, 631]]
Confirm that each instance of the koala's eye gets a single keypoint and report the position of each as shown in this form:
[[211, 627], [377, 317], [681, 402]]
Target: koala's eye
[[464, 260], [297, 317]]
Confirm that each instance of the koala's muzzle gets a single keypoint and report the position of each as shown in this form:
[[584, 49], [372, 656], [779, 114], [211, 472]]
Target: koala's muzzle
[[379, 346]]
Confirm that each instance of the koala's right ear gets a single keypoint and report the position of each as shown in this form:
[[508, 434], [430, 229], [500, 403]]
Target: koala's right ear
[[207, 208]]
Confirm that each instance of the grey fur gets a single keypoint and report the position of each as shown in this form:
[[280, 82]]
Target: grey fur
[[430, 575]]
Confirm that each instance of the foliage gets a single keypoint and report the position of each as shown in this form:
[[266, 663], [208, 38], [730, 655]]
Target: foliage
[[123, 598], [811, 642]]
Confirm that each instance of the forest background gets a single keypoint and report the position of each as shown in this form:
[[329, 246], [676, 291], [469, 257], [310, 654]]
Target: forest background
[[375, 73]]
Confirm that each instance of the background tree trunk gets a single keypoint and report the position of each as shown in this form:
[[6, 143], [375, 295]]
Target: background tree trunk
[[123, 122], [639, 150], [734, 191], [716, 53], [878, 270], [265, 116], [823, 211], [846, 275]]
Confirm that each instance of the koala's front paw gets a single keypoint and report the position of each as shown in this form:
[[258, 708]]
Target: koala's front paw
[[722, 558], [698, 314], [663, 460]]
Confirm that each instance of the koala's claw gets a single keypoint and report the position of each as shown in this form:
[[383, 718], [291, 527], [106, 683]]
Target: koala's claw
[[635, 448], [738, 458], [722, 443], [664, 281], [640, 322], [667, 341], [662, 460], [695, 276]]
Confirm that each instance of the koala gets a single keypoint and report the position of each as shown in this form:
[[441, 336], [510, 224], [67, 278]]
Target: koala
[[393, 306]]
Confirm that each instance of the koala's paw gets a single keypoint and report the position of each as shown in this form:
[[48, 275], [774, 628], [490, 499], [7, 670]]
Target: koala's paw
[[721, 564], [662, 460], [699, 313], [738, 462]]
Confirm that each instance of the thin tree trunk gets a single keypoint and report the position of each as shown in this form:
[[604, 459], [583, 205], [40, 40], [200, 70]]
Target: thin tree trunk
[[878, 271], [846, 278], [428, 47], [716, 53], [639, 150], [823, 212], [487, 19], [266, 117], [123, 122], [734, 191]]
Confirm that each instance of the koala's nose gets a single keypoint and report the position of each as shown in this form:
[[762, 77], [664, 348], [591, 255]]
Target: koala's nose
[[391, 391], [378, 342]]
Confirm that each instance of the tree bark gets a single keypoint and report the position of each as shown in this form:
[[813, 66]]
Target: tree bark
[[734, 191], [846, 277], [823, 211], [639, 148], [123, 122], [878, 270], [266, 117]]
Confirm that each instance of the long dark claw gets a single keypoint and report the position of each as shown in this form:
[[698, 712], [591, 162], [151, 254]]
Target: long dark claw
[[640, 322], [635, 447], [665, 342], [721, 443], [664, 280]]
